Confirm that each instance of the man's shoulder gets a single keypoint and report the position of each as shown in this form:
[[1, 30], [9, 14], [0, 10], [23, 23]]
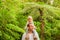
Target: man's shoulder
[[24, 34]]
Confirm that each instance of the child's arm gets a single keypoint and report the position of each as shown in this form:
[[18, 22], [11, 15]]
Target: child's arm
[[23, 37]]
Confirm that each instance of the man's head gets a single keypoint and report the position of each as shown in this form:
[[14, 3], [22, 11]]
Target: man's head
[[30, 27]]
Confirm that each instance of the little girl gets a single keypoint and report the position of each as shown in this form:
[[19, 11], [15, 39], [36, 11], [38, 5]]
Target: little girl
[[30, 20], [30, 33]]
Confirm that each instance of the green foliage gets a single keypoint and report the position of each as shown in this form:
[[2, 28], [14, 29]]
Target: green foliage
[[14, 28], [14, 13]]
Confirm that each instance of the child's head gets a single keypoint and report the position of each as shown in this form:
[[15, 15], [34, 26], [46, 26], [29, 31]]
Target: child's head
[[30, 27], [30, 19]]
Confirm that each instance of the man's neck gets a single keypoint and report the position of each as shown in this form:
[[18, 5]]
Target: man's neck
[[30, 32]]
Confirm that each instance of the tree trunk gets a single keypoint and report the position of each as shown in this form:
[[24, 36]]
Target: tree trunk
[[42, 24]]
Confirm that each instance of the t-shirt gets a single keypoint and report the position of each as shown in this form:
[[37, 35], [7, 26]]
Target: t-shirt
[[30, 36]]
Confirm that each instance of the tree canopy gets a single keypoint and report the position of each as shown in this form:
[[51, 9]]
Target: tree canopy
[[14, 13]]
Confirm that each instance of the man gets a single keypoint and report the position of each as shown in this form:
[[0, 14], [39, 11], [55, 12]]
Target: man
[[31, 33]]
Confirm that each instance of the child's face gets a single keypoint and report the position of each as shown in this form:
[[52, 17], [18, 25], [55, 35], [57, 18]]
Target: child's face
[[30, 19], [30, 27]]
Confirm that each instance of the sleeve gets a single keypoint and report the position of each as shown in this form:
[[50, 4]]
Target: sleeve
[[38, 37], [36, 34], [23, 37]]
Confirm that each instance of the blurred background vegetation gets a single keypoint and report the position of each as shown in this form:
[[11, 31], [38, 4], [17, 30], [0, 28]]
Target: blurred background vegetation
[[14, 13]]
